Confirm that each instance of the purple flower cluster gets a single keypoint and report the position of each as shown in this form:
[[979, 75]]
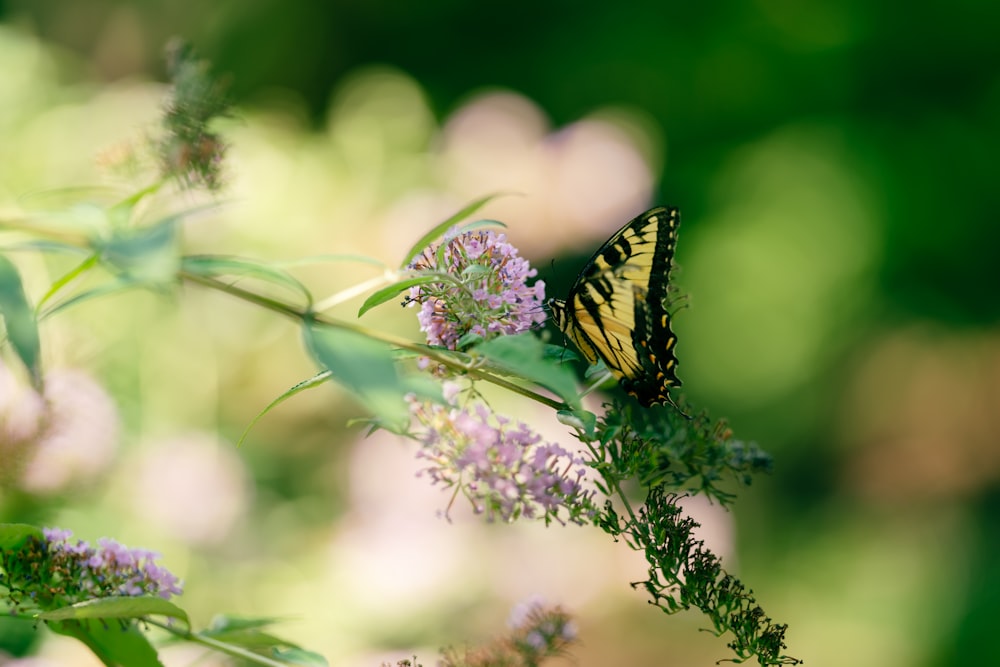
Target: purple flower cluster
[[503, 468], [110, 569], [483, 289]]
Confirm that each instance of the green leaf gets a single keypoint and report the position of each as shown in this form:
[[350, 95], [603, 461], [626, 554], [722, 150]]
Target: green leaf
[[477, 224], [523, 355], [597, 375], [392, 291], [222, 623], [248, 633], [253, 640], [121, 212], [583, 420], [117, 607], [473, 271], [121, 284], [441, 228], [68, 277], [363, 366], [217, 265], [14, 535], [314, 381], [19, 320], [113, 644], [560, 354], [467, 340], [148, 255], [298, 656]]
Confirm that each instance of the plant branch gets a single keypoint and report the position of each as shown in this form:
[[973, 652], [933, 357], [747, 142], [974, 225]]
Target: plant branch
[[303, 315]]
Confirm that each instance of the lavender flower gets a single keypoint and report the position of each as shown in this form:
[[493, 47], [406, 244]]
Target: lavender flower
[[483, 290], [110, 569], [503, 468]]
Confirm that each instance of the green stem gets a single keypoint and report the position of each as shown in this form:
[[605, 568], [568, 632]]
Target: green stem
[[303, 315], [222, 647]]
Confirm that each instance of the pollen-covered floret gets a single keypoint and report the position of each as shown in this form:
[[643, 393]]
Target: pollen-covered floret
[[483, 289]]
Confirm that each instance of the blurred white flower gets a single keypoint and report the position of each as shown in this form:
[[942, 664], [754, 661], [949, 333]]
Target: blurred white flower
[[566, 188], [79, 436], [390, 506], [577, 184], [194, 487], [65, 437]]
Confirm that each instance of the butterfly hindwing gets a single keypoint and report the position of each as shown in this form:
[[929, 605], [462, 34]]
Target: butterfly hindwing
[[617, 309]]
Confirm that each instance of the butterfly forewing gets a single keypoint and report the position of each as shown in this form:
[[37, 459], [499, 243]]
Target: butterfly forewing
[[617, 309]]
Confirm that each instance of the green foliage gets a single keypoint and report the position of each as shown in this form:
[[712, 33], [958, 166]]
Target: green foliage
[[658, 447], [683, 573], [15, 536], [19, 319], [146, 255], [367, 368], [523, 357], [392, 291], [667, 454]]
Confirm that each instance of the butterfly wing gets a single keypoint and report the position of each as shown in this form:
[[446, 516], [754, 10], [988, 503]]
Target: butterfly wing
[[617, 309]]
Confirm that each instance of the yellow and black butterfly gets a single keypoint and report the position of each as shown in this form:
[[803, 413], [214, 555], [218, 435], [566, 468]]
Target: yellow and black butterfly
[[617, 309]]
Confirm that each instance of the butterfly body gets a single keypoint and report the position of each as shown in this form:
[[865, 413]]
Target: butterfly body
[[617, 309]]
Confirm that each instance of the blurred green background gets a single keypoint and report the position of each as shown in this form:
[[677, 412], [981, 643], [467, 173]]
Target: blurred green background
[[835, 166]]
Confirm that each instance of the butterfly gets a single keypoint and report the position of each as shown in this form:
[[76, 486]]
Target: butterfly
[[617, 311]]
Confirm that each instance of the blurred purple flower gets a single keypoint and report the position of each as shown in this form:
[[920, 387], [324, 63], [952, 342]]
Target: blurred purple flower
[[57, 441]]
